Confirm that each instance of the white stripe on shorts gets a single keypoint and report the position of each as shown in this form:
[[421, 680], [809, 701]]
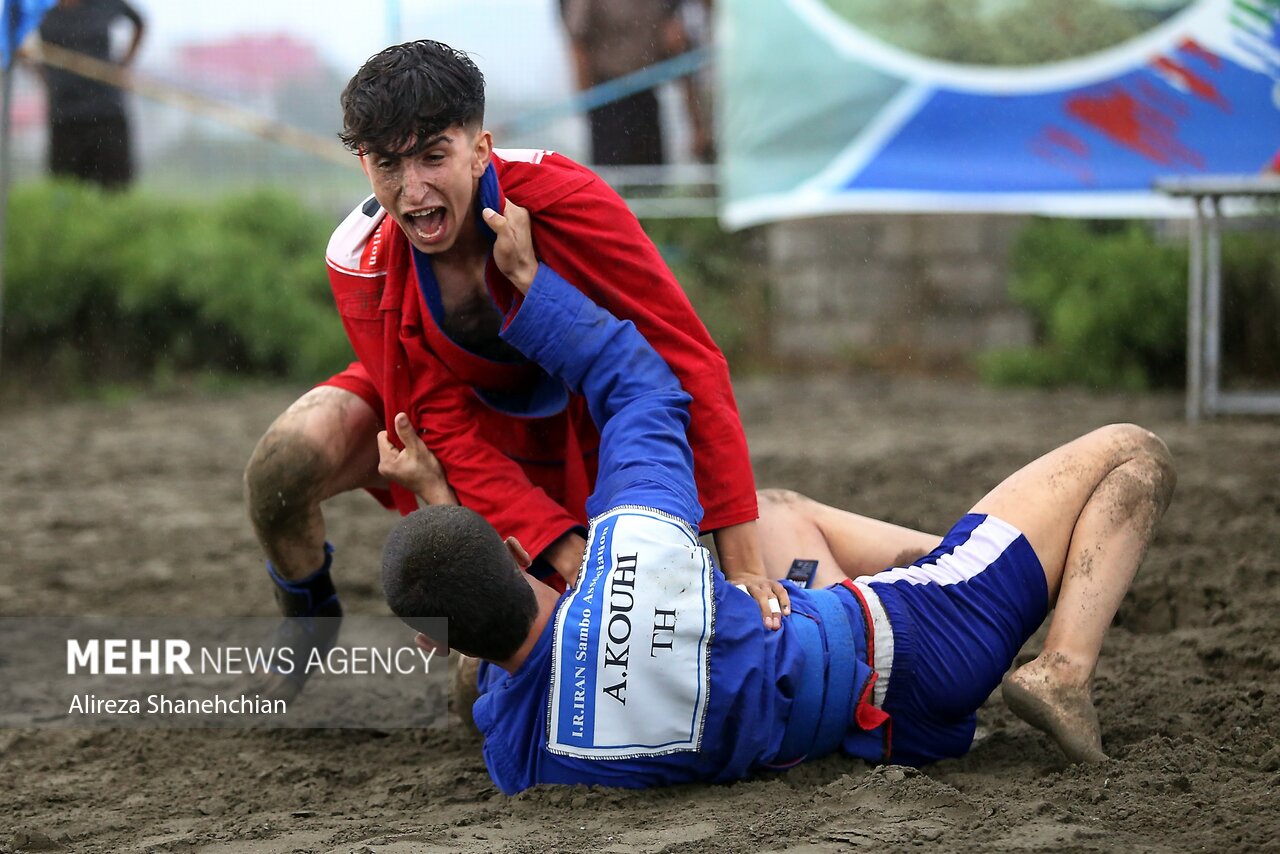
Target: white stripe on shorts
[[986, 543], [881, 638]]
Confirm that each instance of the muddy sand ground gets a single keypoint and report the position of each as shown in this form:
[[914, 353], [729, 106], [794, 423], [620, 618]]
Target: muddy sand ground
[[134, 509]]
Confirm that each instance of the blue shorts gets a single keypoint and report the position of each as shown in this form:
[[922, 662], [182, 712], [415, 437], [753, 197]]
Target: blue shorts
[[947, 628]]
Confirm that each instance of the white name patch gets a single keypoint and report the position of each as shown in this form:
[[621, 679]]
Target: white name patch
[[631, 649]]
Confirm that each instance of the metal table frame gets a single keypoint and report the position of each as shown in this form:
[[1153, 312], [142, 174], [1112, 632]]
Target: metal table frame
[[1205, 397]]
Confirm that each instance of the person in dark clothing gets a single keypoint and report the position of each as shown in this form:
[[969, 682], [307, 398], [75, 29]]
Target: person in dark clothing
[[610, 39], [88, 126]]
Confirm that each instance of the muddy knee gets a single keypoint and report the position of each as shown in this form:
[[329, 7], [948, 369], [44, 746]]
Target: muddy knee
[[1141, 478], [283, 482], [322, 445], [1148, 454], [1160, 462]]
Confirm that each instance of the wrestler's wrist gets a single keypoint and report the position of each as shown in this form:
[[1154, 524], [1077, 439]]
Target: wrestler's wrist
[[565, 554], [522, 277]]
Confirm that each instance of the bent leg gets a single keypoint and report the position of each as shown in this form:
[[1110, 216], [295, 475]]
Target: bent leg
[[1089, 511], [322, 445], [846, 545]]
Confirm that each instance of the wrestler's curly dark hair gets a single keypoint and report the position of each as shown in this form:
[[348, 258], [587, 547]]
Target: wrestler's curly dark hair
[[407, 94], [445, 561]]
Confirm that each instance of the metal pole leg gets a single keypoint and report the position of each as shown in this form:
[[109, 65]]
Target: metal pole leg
[[1213, 308], [1195, 316]]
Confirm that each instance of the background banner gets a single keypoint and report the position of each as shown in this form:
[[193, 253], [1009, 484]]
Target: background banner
[[1019, 106]]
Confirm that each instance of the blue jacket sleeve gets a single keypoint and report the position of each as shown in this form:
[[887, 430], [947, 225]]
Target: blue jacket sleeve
[[636, 401]]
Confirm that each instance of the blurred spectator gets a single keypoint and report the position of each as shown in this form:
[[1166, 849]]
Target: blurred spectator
[[88, 127], [612, 38], [695, 18]]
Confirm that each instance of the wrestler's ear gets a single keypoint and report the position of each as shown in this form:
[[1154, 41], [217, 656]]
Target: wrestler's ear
[[429, 645], [481, 150], [518, 554]]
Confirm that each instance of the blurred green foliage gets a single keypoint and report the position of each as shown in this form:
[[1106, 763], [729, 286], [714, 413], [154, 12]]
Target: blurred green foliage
[[128, 286], [1251, 307], [1109, 301], [104, 288]]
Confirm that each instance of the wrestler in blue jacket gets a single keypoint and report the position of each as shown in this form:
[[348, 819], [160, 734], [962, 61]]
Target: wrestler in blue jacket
[[653, 670]]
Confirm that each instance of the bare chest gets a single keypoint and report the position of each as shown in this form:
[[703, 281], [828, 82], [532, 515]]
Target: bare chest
[[470, 317]]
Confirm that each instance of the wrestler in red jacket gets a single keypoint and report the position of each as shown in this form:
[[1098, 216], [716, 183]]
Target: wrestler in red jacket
[[422, 300], [529, 476]]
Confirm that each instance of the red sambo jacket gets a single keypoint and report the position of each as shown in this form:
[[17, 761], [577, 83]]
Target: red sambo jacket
[[528, 468]]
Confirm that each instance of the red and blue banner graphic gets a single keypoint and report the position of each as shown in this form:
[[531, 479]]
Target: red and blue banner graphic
[[1020, 106]]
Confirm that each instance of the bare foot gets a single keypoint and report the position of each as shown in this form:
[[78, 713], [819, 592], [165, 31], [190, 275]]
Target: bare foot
[[1040, 693]]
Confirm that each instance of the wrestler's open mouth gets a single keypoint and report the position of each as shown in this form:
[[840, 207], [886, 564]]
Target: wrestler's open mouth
[[428, 224]]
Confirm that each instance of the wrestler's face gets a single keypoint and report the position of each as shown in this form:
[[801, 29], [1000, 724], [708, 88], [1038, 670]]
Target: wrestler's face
[[432, 193]]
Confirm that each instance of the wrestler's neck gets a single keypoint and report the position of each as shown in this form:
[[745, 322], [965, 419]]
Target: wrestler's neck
[[471, 248], [547, 600]]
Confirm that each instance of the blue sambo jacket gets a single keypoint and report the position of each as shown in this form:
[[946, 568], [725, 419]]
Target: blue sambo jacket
[[655, 670]]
